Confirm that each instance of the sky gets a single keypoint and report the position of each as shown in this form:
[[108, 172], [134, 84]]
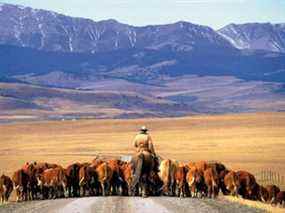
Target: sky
[[214, 13]]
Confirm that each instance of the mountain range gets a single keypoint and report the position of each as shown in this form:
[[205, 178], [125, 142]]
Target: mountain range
[[54, 65]]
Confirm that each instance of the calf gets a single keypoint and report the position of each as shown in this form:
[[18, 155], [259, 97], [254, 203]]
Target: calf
[[54, 181], [212, 182], [21, 184], [167, 171], [6, 187], [231, 182], [104, 174], [180, 178], [273, 190]]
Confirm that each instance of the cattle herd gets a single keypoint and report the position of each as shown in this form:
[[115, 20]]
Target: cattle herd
[[114, 177]]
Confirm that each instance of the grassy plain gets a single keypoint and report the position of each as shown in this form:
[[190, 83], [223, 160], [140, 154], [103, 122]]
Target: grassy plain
[[251, 142]]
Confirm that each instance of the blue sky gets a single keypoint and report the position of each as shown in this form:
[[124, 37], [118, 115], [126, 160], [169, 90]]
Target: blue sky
[[214, 13]]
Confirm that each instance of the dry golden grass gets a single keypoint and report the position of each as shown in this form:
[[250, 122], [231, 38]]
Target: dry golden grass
[[250, 142], [256, 205]]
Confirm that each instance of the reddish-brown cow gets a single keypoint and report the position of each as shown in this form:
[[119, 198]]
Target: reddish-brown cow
[[6, 187], [180, 178], [116, 181], [105, 174], [126, 169], [212, 182], [21, 184], [55, 181], [231, 182], [87, 180]]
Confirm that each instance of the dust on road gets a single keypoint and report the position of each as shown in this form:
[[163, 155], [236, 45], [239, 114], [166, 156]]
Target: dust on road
[[127, 205]]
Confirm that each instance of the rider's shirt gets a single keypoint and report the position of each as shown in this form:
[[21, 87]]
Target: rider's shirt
[[143, 142]]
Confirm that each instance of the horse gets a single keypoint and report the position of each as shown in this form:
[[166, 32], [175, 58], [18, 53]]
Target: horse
[[142, 166]]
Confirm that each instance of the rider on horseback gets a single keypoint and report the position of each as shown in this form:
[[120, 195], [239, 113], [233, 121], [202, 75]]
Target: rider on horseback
[[143, 143]]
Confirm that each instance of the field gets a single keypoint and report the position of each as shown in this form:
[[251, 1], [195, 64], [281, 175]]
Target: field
[[252, 142]]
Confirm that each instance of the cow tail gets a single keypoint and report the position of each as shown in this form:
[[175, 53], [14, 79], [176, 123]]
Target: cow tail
[[168, 172], [105, 172], [81, 181]]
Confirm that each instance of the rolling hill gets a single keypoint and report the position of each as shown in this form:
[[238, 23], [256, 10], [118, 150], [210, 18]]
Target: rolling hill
[[56, 66]]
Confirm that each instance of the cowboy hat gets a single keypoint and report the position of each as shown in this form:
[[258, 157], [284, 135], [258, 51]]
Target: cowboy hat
[[144, 129]]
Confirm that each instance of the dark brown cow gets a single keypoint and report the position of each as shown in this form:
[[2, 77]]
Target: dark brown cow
[[280, 198], [55, 181], [156, 184], [117, 180], [126, 170], [104, 174], [273, 190], [212, 182], [6, 187], [231, 182], [180, 178], [221, 171], [248, 186], [72, 174], [196, 183], [34, 170], [263, 194], [21, 184], [87, 180]]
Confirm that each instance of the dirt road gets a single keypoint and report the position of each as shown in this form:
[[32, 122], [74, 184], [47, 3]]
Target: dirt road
[[127, 205]]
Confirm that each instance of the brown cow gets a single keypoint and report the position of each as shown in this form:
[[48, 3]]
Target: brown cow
[[180, 178], [87, 180], [221, 171], [273, 190], [248, 186], [72, 174], [6, 187], [34, 170], [104, 174], [156, 184], [117, 180], [231, 182], [196, 183], [167, 171], [212, 182], [126, 170], [21, 184], [280, 198], [55, 181]]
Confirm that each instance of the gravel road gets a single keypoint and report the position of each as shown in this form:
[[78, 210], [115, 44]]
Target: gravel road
[[126, 205]]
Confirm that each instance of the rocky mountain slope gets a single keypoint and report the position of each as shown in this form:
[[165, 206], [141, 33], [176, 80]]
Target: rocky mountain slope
[[256, 36]]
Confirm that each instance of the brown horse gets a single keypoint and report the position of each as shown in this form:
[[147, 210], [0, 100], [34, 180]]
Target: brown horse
[[142, 166]]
